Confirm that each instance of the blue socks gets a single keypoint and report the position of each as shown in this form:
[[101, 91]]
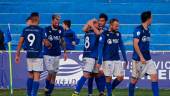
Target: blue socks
[[115, 83], [90, 85], [155, 88], [109, 88], [51, 87], [29, 86], [102, 83], [35, 88], [80, 84], [47, 84], [131, 89]]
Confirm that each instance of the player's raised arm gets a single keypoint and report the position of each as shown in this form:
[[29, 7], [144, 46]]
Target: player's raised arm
[[17, 57], [136, 46], [93, 27], [86, 27]]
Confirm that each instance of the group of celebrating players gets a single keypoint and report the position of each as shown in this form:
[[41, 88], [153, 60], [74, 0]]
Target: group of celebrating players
[[101, 54]]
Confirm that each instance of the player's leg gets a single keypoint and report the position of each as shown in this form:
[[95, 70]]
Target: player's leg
[[48, 61], [134, 78], [37, 69], [53, 74], [35, 86], [90, 85], [89, 65], [29, 83], [100, 82], [109, 85], [151, 70], [119, 73], [108, 72], [30, 77], [132, 85]]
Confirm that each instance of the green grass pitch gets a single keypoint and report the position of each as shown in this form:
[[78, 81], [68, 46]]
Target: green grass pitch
[[68, 92]]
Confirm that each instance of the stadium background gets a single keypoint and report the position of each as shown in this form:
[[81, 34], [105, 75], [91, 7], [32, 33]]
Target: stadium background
[[79, 12]]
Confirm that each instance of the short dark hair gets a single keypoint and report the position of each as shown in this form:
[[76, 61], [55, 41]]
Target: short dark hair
[[113, 20], [103, 15], [28, 18], [34, 14], [67, 22], [145, 16]]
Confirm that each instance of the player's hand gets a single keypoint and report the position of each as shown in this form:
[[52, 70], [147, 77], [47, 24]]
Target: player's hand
[[143, 61], [17, 59], [90, 23], [125, 64], [65, 56], [49, 46], [97, 66]]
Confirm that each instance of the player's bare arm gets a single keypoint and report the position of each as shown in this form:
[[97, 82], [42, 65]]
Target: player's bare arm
[[137, 49], [17, 57], [63, 43]]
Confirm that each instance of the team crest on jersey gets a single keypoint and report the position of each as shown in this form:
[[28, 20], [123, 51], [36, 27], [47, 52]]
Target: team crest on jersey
[[59, 31], [138, 33], [107, 34], [50, 31], [117, 34]]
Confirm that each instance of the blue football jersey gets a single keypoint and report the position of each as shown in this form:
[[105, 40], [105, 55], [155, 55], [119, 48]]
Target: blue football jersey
[[111, 42], [91, 44], [33, 38], [54, 36], [105, 28], [144, 43]]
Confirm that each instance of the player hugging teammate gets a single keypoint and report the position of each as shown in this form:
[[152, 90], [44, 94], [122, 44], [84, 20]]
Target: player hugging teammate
[[101, 54]]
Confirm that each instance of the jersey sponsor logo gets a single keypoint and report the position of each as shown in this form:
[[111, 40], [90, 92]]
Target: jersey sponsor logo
[[51, 38], [110, 41], [145, 39]]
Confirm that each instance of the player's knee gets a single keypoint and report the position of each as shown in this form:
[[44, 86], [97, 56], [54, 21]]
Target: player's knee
[[36, 77], [154, 77], [120, 78], [30, 75], [134, 80], [108, 78], [86, 74]]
